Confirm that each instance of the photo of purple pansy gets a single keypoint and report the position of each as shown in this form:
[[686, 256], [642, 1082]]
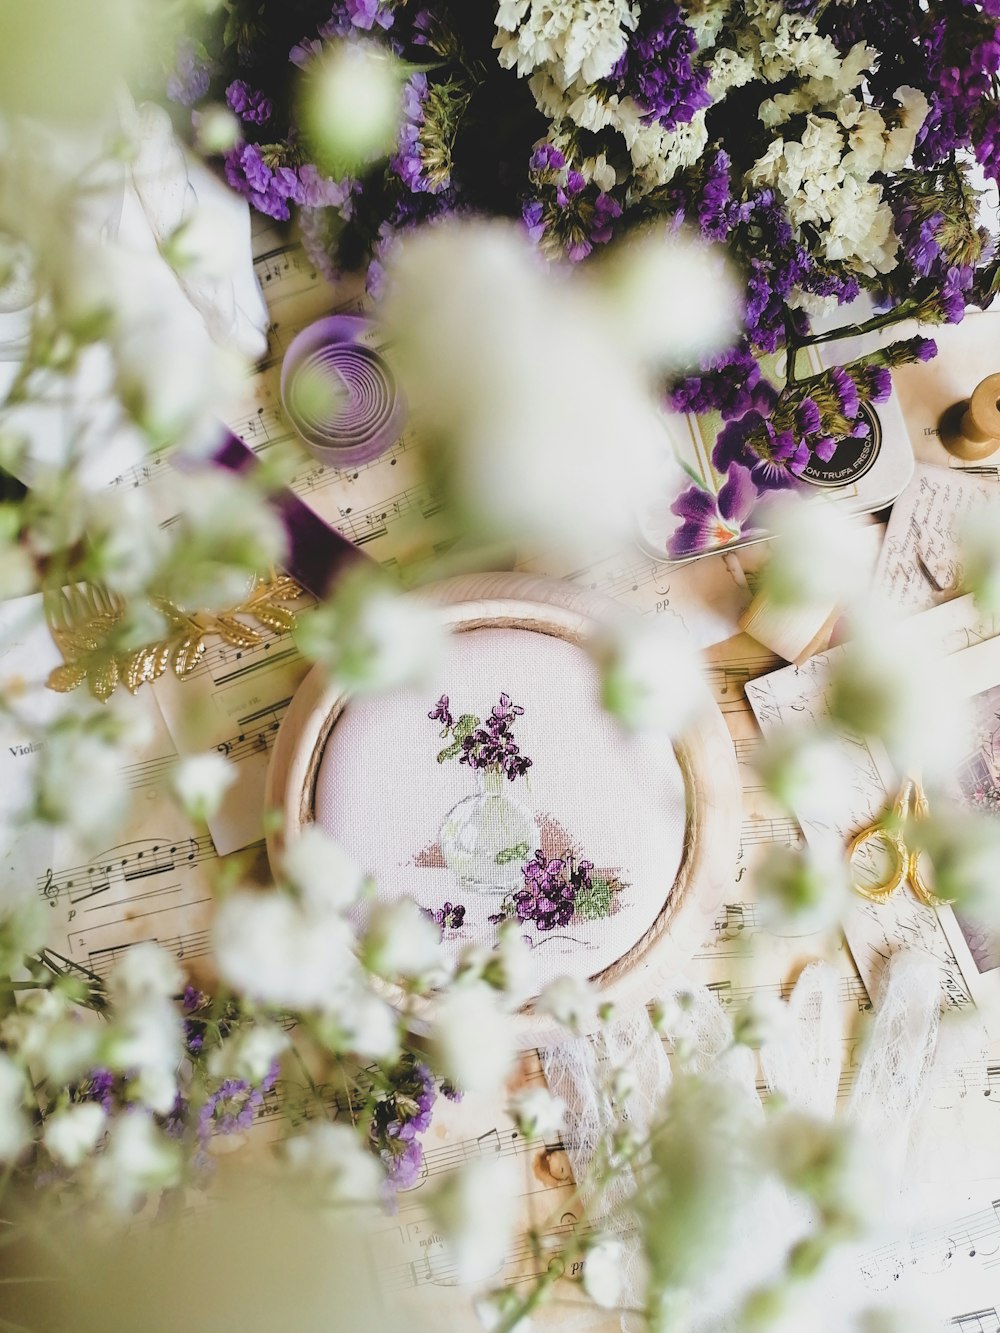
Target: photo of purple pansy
[[710, 521]]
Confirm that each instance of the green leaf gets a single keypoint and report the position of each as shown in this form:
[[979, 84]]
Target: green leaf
[[516, 853], [449, 752], [465, 726], [593, 903]]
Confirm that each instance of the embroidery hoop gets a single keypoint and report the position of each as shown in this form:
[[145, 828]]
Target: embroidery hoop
[[705, 753]]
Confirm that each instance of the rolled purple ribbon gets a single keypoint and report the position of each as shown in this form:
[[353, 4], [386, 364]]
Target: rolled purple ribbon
[[367, 415]]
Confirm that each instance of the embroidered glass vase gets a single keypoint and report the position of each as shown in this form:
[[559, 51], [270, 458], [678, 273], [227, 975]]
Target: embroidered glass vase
[[487, 838]]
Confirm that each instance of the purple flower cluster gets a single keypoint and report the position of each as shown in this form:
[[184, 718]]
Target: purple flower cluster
[[99, 1087], [403, 1112], [250, 105], [656, 67], [550, 889], [233, 1105], [191, 75], [271, 187], [408, 162], [563, 209]]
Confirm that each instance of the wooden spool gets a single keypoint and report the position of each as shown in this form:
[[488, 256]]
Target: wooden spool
[[706, 759], [971, 429]]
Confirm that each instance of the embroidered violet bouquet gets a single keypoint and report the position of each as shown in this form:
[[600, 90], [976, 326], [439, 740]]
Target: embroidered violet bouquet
[[830, 147]]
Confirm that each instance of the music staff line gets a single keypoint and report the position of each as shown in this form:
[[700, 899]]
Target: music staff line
[[120, 866]]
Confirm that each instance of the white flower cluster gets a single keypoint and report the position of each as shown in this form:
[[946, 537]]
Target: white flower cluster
[[574, 38], [825, 177]]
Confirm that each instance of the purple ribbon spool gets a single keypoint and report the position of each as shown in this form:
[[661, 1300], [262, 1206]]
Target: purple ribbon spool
[[370, 421]]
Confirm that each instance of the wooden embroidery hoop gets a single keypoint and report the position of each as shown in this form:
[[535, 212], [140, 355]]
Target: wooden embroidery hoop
[[705, 754]]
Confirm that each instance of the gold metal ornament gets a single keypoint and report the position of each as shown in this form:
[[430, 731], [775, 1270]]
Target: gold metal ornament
[[83, 619]]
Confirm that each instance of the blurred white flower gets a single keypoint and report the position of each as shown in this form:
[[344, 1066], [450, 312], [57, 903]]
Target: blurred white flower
[[250, 1054], [831, 1164], [963, 848], [801, 766], [571, 1001], [816, 557], [351, 106], [335, 1164], [138, 1159], [672, 299], [603, 1271], [494, 1310], [401, 941], [886, 685], [547, 430], [370, 637], [146, 1033], [980, 555], [476, 1234], [216, 129], [762, 1020], [473, 1037], [320, 870], [804, 888], [143, 971], [225, 534], [370, 1026], [276, 950], [15, 1130], [72, 1134], [538, 1113], [125, 542], [80, 782], [200, 781], [651, 677]]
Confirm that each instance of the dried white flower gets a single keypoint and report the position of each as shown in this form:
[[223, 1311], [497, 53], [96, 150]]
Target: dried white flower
[[571, 1001], [250, 1054], [401, 941], [334, 1163], [143, 971], [14, 1127], [539, 1114], [473, 1037], [139, 1159], [651, 676], [320, 870], [72, 1134], [476, 1236], [603, 1271], [273, 949], [200, 781]]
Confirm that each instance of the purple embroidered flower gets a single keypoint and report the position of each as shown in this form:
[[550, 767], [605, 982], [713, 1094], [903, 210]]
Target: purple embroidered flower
[[548, 897], [711, 520], [442, 713], [449, 917], [251, 106]]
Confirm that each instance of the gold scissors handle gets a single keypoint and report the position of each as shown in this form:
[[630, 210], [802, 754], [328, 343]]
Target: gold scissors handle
[[910, 803]]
